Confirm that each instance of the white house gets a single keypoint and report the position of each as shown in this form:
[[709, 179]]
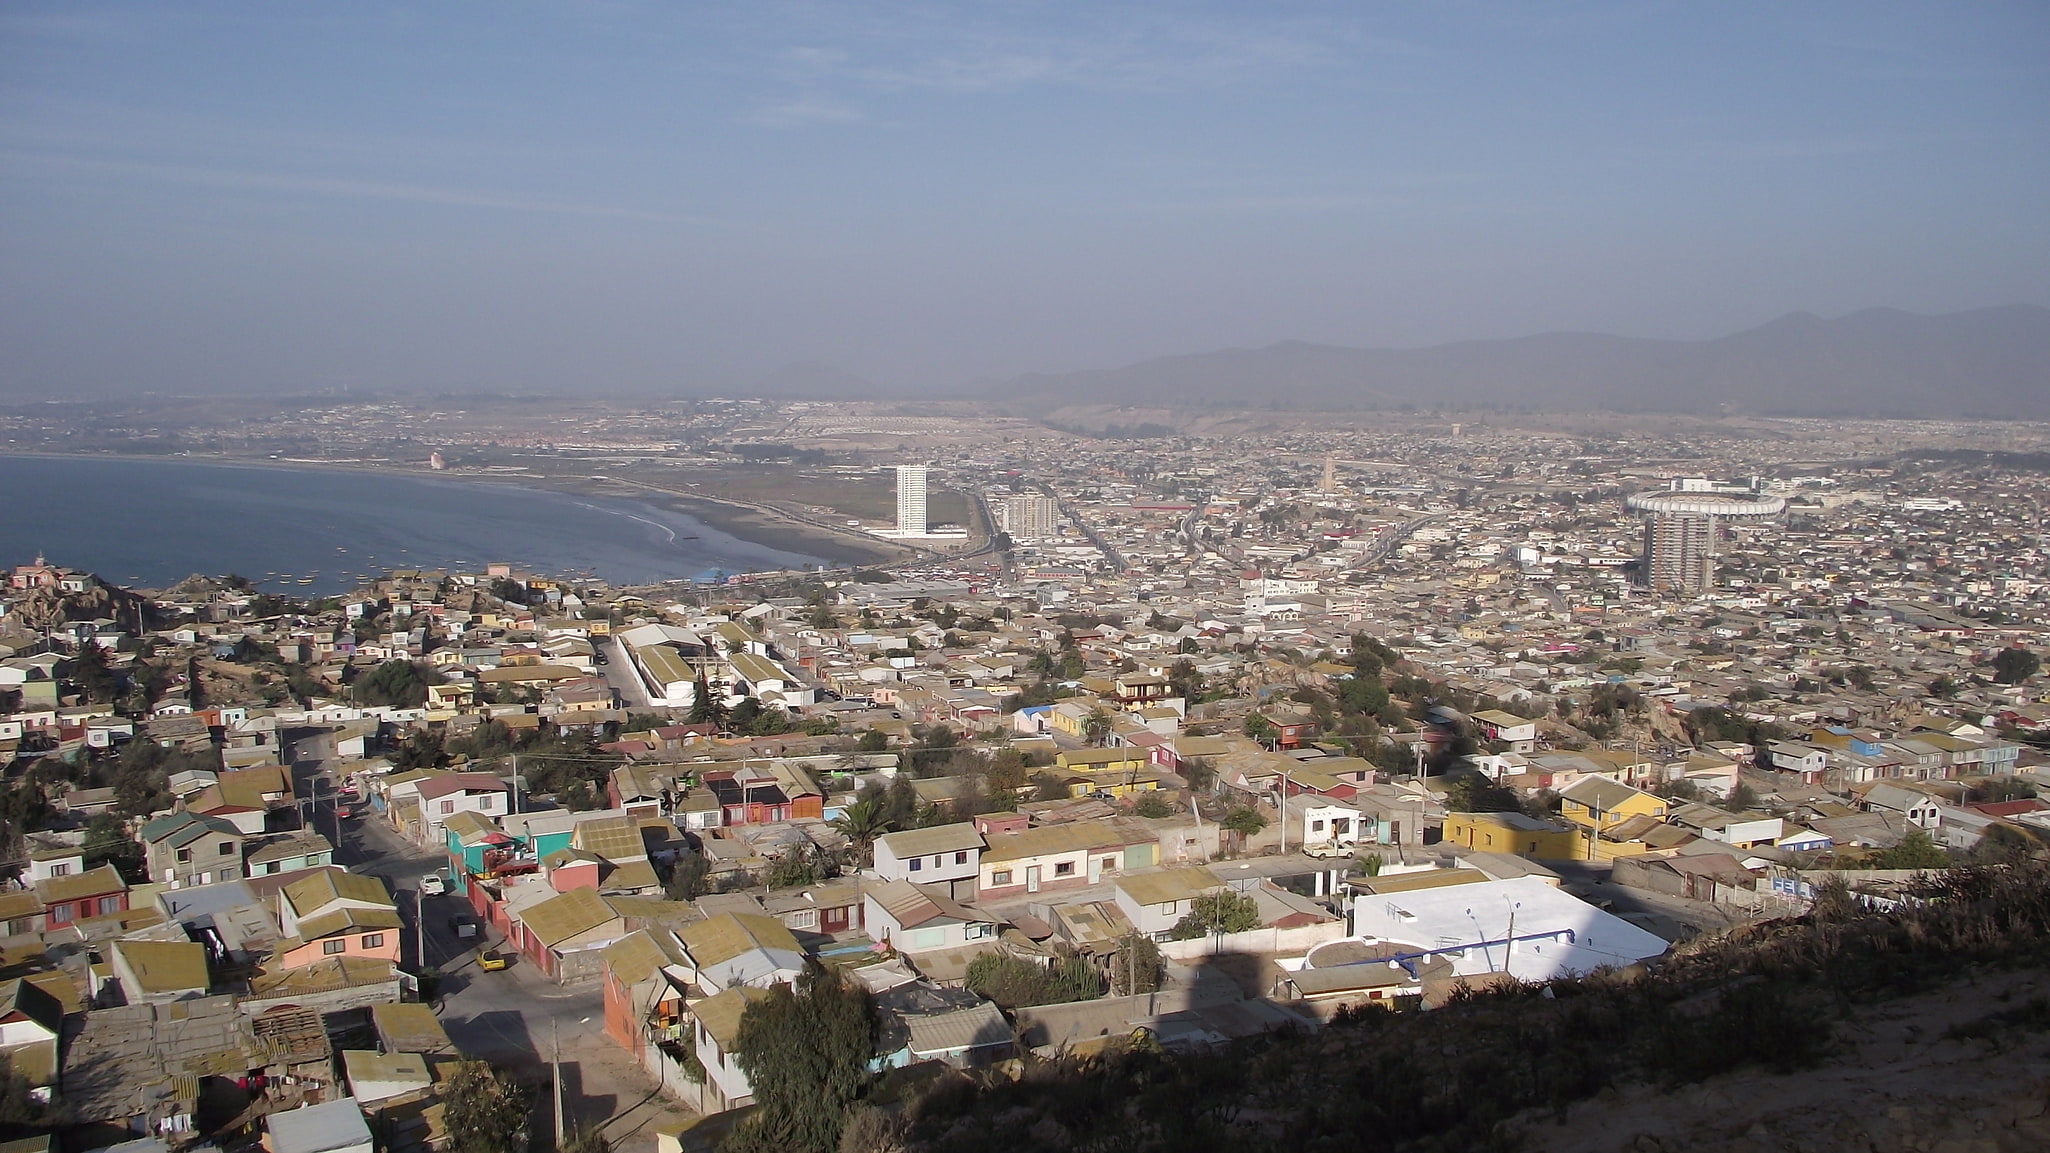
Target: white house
[[715, 1025], [444, 796], [1323, 827], [735, 949], [1920, 809], [1155, 902], [949, 855], [1509, 729], [918, 919]]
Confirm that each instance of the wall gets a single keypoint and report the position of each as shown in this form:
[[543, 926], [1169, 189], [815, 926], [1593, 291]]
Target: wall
[[1284, 942]]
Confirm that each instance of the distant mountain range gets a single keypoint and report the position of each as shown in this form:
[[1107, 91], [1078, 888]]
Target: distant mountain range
[[1989, 362]]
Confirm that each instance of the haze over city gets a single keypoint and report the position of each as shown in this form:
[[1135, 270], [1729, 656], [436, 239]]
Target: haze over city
[[677, 199]]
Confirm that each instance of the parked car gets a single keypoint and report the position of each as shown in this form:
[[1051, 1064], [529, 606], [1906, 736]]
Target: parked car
[[492, 962], [347, 812], [464, 928], [432, 885]]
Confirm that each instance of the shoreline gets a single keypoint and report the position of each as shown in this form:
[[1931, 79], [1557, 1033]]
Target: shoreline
[[758, 526]]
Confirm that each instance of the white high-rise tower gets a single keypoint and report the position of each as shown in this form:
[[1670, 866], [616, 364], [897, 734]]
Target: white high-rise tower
[[911, 499]]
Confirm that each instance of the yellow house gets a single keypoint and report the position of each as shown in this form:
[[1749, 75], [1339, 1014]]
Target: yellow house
[[1513, 833], [1125, 783], [1118, 760], [1598, 804]]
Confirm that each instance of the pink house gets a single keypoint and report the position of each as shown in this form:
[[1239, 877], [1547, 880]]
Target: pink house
[[333, 913]]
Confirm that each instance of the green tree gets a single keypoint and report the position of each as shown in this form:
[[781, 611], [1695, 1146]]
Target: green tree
[[2015, 665], [484, 1109], [90, 672], [398, 684], [1474, 793], [1012, 982], [1220, 912], [791, 869], [1246, 821], [1152, 804], [690, 878], [1260, 728], [873, 741], [805, 1052], [107, 843], [1915, 851], [1136, 967], [1096, 727], [1943, 687]]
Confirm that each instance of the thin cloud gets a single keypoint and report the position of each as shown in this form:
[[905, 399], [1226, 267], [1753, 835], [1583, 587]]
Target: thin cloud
[[340, 188], [807, 114]]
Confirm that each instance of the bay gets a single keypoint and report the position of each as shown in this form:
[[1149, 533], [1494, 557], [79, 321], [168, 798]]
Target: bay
[[308, 531]]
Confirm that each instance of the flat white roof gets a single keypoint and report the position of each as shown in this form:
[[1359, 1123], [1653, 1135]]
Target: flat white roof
[[1469, 915]]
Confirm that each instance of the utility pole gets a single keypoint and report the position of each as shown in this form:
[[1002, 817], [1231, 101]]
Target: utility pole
[[420, 926], [555, 1068]]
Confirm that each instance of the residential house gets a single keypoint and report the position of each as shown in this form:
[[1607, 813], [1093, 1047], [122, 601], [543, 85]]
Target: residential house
[[189, 849], [948, 855], [1323, 827], [159, 972], [335, 913], [565, 935], [1518, 734], [934, 932], [31, 1021], [1516, 833], [444, 796], [715, 1028], [1744, 830], [1917, 808], [1062, 856], [1521, 927], [734, 949], [1155, 902], [1595, 803], [330, 1127], [70, 899], [287, 853]]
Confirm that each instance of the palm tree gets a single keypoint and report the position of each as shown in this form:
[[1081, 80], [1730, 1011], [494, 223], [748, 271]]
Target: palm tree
[[1097, 726], [861, 823]]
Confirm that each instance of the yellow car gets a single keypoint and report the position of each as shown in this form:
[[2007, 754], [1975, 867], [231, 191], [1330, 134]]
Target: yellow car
[[492, 962]]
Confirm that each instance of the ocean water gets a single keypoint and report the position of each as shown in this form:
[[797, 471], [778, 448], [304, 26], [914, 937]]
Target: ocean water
[[148, 523]]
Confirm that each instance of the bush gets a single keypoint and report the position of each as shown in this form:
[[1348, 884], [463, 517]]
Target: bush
[[1152, 805], [1014, 981], [1223, 912]]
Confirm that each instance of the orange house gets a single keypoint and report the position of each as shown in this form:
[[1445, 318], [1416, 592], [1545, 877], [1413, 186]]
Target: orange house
[[332, 913]]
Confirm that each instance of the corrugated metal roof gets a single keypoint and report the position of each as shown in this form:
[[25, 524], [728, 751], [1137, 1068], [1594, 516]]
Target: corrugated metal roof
[[164, 966], [716, 940], [1049, 839], [981, 1027], [1170, 885], [937, 839], [560, 918], [617, 839], [720, 1013], [329, 885], [348, 919]]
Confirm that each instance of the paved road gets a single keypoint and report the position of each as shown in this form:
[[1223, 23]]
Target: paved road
[[512, 1017], [619, 673]]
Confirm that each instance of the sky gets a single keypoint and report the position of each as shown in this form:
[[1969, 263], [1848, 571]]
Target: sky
[[673, 197]]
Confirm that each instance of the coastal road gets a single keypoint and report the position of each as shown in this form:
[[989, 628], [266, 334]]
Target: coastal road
[[511, 1017]]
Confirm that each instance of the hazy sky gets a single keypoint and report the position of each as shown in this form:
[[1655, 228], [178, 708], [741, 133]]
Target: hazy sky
[[666, 195]]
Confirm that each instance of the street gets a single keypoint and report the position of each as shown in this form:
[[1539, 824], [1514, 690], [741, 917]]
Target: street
[[512, 1017]]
